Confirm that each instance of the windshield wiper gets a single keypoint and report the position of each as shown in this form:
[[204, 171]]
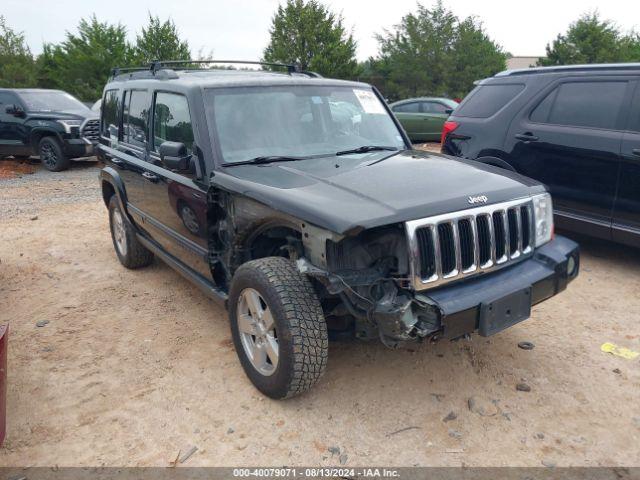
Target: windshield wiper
[[264, 160], [366, 148]]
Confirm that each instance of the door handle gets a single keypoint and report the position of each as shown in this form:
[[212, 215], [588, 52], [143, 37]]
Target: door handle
[[526, 137], [150, 176], [636, 151]]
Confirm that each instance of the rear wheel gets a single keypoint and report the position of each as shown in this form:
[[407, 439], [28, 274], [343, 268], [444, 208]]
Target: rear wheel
[[52, 156], [130, 252], [278, 327]]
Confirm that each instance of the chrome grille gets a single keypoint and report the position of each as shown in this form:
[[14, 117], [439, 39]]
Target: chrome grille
[[448, 247], [91, 130]]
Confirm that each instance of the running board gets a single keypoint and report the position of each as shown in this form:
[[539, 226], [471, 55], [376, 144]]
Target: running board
[[202, 283]]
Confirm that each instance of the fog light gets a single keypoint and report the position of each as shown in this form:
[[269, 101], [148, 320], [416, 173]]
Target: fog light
[[571, 266]]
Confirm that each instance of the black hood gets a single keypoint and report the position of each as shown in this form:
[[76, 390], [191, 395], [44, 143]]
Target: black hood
[[363, 191]]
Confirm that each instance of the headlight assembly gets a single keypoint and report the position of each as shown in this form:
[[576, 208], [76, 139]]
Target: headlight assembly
[[68, 124], [543, 218]]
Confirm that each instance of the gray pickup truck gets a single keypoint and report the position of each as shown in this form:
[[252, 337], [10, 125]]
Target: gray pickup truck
[[299, 202]]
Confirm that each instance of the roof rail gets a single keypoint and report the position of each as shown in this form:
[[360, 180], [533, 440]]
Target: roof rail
[[157, 65], [570, 68], [118, 70]]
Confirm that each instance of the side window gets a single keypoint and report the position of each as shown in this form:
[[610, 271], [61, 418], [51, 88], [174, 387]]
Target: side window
[[433, 107], [172, 120], [634, 114], [540, 114], [135, 120], [6, 99], [109, 121], [125, 113], [583, 104], [408, 108]]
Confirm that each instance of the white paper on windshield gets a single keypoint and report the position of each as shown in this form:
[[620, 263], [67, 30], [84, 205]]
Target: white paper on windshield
[[368, 101]]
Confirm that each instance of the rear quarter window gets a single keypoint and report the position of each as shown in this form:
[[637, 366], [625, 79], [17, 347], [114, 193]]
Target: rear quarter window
[[485, 100], [109, 109]]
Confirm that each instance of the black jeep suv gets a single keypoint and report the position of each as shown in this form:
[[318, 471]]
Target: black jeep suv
[[574, 128], [298, 202], [49, 123]]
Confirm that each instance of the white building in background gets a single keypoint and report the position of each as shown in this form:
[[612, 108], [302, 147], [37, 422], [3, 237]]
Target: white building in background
[[515, 63]]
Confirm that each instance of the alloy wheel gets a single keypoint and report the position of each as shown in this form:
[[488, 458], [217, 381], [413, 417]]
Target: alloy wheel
[[48, 155], [257, 331], [119, 233]]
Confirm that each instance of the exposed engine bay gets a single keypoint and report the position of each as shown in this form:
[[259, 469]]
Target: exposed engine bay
[[369, 274]]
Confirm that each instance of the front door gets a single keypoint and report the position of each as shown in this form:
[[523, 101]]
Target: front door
[[434, 116], [176, 202], [626, 217], [411, 119], [569, 139]]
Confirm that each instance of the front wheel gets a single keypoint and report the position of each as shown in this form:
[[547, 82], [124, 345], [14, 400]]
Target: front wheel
[[52, 156], [278, 327]]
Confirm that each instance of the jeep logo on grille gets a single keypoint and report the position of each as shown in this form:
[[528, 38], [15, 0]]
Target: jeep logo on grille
[[478, 199]]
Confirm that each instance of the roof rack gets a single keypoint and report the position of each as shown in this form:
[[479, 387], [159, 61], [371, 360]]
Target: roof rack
[[157, 65], [571, 68]]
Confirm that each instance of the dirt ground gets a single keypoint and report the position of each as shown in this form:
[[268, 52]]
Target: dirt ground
[[136, 366]]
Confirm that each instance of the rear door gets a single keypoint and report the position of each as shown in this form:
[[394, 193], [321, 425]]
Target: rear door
[[569, 138], [133, 143], [626, 217], [434, 116], [176, 202], [411, 118]]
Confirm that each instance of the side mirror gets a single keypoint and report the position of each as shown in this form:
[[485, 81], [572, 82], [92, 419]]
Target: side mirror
[[15, 110], [174, 156], [449, 111]]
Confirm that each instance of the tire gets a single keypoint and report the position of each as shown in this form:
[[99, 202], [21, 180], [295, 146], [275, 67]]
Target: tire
[[52, 156], [131, 253], [298, 327]]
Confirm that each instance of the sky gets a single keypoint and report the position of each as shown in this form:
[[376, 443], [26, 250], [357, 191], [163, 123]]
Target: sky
[[239, 29]]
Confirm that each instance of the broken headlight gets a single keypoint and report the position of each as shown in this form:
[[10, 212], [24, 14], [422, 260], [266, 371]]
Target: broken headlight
[[543, 218]]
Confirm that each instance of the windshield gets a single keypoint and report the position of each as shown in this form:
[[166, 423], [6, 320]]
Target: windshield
[[299, 121], [52, 101]]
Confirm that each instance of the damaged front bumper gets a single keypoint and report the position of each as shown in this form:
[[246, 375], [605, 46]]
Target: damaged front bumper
[[486, 304]]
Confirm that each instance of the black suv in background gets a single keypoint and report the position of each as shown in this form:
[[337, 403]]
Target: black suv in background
[[49, 123], [574, 128]]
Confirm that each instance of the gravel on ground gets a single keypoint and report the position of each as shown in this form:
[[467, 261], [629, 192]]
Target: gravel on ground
[[109, 366]]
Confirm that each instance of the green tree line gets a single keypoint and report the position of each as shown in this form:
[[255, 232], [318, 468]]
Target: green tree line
[[82, 62], [430, 52]]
